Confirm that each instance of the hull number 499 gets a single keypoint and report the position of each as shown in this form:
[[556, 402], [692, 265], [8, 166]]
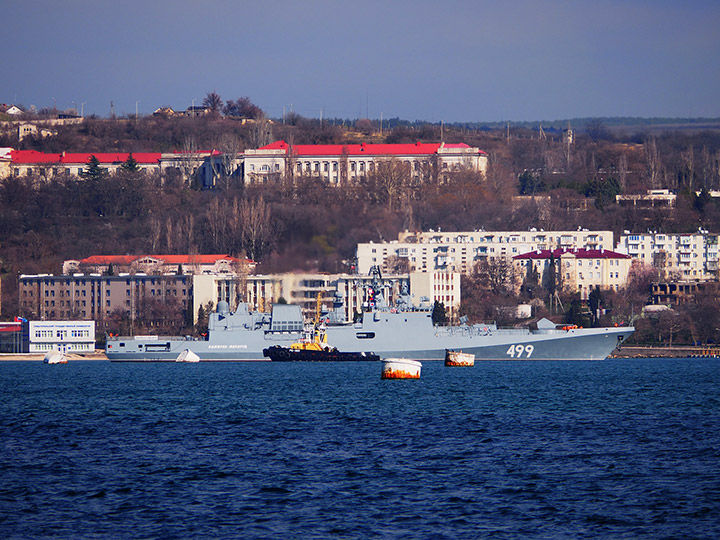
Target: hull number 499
[[520, 351]]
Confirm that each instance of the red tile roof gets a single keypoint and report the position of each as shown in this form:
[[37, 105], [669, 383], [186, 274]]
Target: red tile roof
[[363, 149], [167, 259], [580, 254], [33, 156]]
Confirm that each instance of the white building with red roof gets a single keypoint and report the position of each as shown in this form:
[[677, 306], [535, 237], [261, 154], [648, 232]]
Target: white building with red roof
[[336, 163], [201, 164], [217, 264], [24, 162], [579, 270]]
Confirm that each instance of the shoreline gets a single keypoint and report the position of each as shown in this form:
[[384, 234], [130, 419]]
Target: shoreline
[[680, 351], [20, 357]]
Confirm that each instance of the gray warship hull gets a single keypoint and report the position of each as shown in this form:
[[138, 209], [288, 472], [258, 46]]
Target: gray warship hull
[[242, 336]]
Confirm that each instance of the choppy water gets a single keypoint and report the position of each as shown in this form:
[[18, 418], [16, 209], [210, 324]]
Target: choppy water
[[614, 449]]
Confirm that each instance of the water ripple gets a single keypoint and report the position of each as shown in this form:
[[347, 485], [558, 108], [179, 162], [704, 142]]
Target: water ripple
[[615, 449]]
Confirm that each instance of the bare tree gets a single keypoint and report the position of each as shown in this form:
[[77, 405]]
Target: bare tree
[[188, 158], [623, 171], [187, 232], [498, 274], [652, 159], [397, 265], [229, 146], [256, 227], [243, 108], [688, 164], [260, 133], [155, 231], [214, 102], [169, 238], [216, 223], [670, 322], [389, 179]]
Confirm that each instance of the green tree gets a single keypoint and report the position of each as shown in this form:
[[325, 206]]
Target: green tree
[[130, 164], [577, 315], [439, 315], [603, 191], [93, 171], [531, 281], [530, 183], [595, 302]]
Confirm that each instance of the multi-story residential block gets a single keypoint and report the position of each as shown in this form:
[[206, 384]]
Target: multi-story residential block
[[459, 251], [99, 297], [579, 270], [678, 257], [337, 163]]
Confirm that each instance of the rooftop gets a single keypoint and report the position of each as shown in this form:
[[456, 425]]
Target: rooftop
[[577, 253], [33, 156], [366, 149]]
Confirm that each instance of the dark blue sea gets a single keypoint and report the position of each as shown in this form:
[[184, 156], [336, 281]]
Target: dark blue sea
[[614, 449]]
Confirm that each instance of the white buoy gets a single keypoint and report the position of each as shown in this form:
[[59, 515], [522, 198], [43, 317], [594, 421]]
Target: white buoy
[[458, 358], [401, 368], [55, 357], [187, 356]]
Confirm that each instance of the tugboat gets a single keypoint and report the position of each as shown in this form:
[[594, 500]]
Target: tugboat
[[313, 347]]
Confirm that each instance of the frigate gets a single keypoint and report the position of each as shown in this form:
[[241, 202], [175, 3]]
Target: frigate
[[401, 330]]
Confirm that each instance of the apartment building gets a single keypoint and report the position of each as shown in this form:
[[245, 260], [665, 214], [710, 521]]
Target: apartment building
[[304, 289], [678, 257], [336, 163], [97, 297], [459, 251], [579, 270]]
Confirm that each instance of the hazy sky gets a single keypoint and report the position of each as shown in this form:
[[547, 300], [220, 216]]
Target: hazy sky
[[414, 59]]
